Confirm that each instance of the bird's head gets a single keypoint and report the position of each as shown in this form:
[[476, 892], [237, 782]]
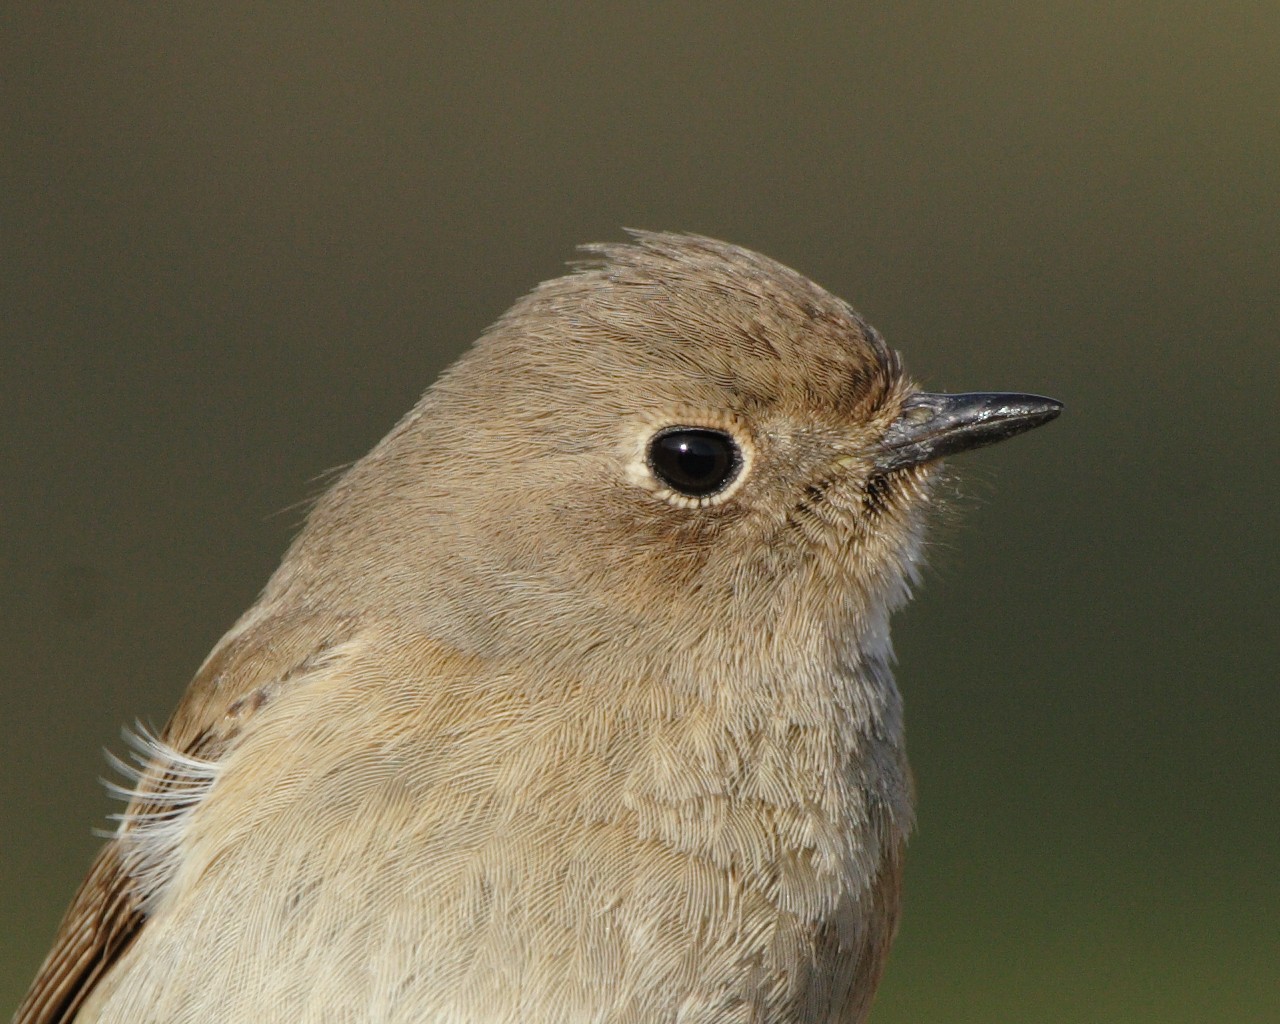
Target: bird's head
[[681, 439]]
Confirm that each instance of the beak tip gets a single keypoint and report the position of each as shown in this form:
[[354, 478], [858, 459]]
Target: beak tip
[[1042, 409]]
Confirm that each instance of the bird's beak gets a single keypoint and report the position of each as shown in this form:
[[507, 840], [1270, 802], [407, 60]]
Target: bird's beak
[[933, 426]]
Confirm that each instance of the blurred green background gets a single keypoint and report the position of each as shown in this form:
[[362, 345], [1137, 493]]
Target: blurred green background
[[238, 240]]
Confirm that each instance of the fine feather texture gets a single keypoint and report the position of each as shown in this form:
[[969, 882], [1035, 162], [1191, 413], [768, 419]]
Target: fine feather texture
[[164, 786], [519, 732], [235, 682], [102, 920]]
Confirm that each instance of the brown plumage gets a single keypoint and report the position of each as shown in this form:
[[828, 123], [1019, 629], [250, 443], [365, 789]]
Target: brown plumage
[[571, 702]]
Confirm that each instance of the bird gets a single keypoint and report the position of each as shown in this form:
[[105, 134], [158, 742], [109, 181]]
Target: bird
[[571, 701]]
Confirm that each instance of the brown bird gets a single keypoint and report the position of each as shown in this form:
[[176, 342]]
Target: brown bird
[[572, 700]]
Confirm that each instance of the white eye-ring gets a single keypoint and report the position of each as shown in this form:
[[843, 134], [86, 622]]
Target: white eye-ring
[[693, 460]]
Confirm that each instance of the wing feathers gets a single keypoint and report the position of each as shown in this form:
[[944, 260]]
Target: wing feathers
[[175, 771], [102, 920]]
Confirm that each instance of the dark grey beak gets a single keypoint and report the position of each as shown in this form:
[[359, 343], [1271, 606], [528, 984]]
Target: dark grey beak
[[934, 426]]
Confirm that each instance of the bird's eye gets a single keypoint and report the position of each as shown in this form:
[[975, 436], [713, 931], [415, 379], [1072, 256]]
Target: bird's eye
[[695, 461]]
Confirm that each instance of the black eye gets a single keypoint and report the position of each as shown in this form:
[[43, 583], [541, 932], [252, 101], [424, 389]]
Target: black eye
[[695, 461]]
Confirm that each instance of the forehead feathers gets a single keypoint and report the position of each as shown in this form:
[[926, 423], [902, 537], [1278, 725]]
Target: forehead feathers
[[695, 314]]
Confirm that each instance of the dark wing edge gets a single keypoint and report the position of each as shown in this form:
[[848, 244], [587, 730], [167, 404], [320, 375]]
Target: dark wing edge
[[244, 672], [102, 921]]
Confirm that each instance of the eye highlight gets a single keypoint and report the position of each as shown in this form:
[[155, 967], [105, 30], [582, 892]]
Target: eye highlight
[[696, 462]]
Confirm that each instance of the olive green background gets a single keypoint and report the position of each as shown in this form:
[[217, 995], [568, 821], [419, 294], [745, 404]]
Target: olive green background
[[238, 240]]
